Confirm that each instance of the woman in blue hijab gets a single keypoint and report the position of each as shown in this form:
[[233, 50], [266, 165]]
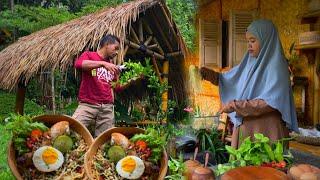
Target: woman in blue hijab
[[257, 94]]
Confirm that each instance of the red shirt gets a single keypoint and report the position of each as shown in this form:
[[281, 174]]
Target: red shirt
[[95, 87]]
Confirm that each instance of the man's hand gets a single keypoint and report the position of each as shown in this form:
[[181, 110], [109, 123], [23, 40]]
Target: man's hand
[[227, 108], [111, 67]]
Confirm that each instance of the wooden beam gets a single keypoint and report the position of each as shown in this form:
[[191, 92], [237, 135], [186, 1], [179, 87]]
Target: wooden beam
[[147, 51], [148, 29], [161, 32], [140, 31], [146, 43], [134, 35], [156, 68], [20, 98], [178, 53], [165, 70], [156, 46], [53, 94], [153, 46]]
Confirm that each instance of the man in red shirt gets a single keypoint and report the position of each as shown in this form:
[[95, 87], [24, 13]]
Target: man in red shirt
[[95, 97]]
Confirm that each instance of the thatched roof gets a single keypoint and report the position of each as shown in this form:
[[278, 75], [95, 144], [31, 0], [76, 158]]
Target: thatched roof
[[58, 46]]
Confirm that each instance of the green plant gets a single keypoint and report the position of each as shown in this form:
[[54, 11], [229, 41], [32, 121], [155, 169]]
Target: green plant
[[176, 169], [183, 13], [25, 20], [135, 70], [7, 104], [5, 172], [256, 153], [154, 140], [209, 140], [21, 127], [155, 89]]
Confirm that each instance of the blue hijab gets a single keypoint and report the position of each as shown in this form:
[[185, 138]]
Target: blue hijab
[[264, 77]]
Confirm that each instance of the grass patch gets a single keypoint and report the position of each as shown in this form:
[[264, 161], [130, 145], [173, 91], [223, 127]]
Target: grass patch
[[5, 172], [7, 104]]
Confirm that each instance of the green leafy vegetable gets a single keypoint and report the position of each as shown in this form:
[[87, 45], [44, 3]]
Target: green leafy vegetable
[[21, 127], [154, 141], [176, 169], [258, 152], [135, 70]]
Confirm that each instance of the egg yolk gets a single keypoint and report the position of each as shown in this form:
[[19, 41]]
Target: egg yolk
[[128, 165], [49, 156]]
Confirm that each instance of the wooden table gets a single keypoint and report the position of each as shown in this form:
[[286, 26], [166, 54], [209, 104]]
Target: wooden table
[[314, 150]]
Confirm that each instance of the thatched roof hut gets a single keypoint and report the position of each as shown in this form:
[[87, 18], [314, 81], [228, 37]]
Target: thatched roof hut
[[145, 28]]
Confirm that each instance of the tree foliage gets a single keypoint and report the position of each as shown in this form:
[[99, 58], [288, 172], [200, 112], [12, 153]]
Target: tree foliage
[[26, 20], [30, 16], [183, 13]]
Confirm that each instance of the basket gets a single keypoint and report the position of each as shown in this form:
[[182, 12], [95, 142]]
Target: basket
[[308, 140], [105, 136], [205, 122], [49, 120]]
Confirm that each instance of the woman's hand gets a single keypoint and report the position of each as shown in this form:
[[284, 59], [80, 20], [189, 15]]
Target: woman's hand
[[209, 75], [205, 73], [227, 108]]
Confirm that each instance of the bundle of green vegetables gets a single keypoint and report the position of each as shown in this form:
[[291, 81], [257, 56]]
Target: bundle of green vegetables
[[134, 70], [260, 152]]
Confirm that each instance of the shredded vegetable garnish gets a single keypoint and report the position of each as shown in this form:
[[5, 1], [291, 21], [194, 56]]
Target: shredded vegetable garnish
[[72, 168], [102, 168]]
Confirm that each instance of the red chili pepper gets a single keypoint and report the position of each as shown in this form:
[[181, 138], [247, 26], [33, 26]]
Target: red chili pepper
[[142, 145], [282, 164], [36, 134]]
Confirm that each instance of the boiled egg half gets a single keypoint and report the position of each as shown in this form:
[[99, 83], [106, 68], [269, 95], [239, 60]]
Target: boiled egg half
[[130, 167], [47, 159]]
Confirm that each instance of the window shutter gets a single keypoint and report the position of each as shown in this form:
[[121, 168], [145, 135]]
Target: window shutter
[[239, 21], [210, 44]]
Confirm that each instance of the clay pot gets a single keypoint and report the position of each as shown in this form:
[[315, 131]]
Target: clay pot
[[191, 165], [203, 173]]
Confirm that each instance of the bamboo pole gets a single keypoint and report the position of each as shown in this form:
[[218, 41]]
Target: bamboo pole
[[169, 21], [53, 92], [134, 35], [178, 53], [146, 43], [147, 51], [161, 32], [140, 31], [156, 68], [153, 46], [148, 29], [165, 72]]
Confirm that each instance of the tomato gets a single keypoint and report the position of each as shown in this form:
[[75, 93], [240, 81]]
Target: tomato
[[282, 164], [142, 145], [36, 134]]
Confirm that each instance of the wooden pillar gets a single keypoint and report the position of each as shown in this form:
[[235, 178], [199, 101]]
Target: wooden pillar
[[316, 96], [20, 97], [165, 73], [53, 94]]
